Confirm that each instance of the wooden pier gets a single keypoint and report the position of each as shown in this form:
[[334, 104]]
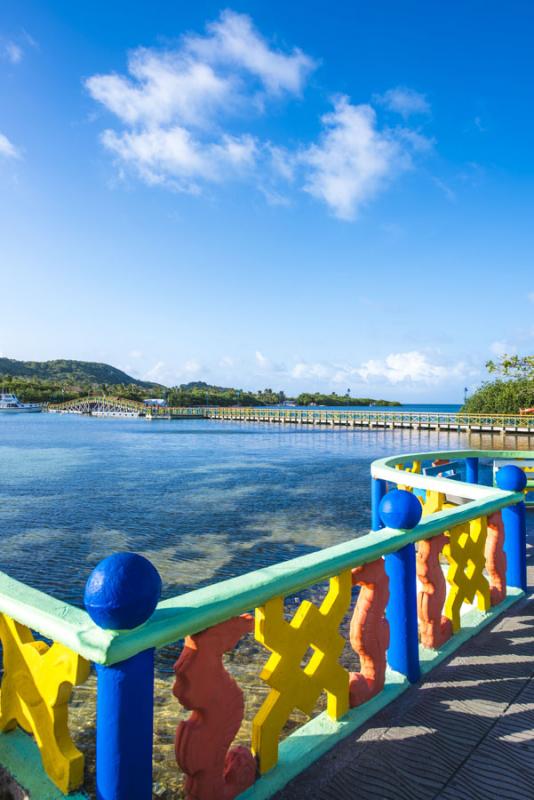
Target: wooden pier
[[341, 418], [385, 420]]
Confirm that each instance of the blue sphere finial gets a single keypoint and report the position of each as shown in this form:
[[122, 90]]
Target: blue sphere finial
[[400, 509], [122, 591], [511, 478]]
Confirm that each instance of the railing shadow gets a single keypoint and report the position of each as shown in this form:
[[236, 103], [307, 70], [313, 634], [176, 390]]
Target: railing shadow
[[465, 732]]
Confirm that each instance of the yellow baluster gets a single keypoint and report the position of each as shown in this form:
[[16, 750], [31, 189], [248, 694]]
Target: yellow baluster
[[415, 469], [465, 554], [291, 686], [35, 691], [434, 502]]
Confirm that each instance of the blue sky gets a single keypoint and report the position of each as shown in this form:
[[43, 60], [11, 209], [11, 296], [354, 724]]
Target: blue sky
[[299, 195]]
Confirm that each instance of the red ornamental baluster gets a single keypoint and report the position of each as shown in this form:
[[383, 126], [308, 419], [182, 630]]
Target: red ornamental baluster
[[496, 558], [214, 772], [369, 631], [434, 628]]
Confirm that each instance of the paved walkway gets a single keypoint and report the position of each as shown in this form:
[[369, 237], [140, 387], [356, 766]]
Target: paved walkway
[[465, 733]]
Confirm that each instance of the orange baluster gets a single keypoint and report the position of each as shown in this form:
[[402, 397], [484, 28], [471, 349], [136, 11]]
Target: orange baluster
[[214, 772], [369, 631], [496, 558], [434, 627]]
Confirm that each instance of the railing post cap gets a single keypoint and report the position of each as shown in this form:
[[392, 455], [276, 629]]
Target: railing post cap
[[122, 591], [400, 509], [511, 478]]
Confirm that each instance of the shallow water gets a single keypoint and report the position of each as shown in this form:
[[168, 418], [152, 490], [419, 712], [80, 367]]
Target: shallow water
[[203, 500]]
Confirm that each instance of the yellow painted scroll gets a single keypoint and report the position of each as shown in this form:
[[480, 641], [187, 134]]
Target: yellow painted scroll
[[293, 686], [465, 554], [35, 691], [415, 468]]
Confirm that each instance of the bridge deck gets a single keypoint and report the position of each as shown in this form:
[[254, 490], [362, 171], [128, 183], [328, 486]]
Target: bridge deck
[[343, 418], [465, 733]]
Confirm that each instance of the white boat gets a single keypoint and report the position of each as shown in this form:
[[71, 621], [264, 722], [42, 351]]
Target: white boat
[[11, 403]]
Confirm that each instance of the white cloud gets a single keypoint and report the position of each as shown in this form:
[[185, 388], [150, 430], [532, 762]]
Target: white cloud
[[411, 366], [266, 365], [403, 101], [408, 367], [180, 115], [173, 103], [262, 361], [13, 49], [173, 156], [498, 348], [282, 162], [415, 139], [303, 370], [531, 297], [169, 376], [7, 148], [166, 87], [353, 158], [135, 354], [502, 348], [443, 187], [11, 52], [233, 40]]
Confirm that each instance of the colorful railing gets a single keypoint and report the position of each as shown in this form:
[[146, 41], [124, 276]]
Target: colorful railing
[[403, 620]]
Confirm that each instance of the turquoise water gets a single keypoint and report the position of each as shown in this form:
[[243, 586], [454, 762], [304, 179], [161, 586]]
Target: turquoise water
[[203, 500]]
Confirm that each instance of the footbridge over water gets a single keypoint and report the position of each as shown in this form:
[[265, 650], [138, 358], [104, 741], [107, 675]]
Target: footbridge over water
[[100, 405], [344, 418]]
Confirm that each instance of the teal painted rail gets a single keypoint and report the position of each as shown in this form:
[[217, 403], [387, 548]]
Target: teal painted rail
[[398, 568]]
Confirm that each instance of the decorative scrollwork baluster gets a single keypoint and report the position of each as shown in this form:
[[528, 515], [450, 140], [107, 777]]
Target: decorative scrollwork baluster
[[465, 553], [434, 627], [36, 688], [202, 685], [496, 558], [369, 631], [291, 685]]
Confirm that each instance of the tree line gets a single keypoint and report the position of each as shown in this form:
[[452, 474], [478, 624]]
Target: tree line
[[509, 392], [319, 399], [38, 390]]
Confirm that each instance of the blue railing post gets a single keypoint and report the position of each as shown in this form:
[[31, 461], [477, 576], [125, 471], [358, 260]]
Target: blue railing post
[[401, 509], [514, 479], [471, 470], [122, 593], [378, 490]]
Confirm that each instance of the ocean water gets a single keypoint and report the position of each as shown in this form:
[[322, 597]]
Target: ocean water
[[204, 501]]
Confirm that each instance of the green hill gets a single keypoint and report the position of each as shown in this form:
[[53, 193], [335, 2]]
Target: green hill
[[69, 372], [202, 385]]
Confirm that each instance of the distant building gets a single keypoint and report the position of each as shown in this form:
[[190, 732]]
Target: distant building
[[155, 401]]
